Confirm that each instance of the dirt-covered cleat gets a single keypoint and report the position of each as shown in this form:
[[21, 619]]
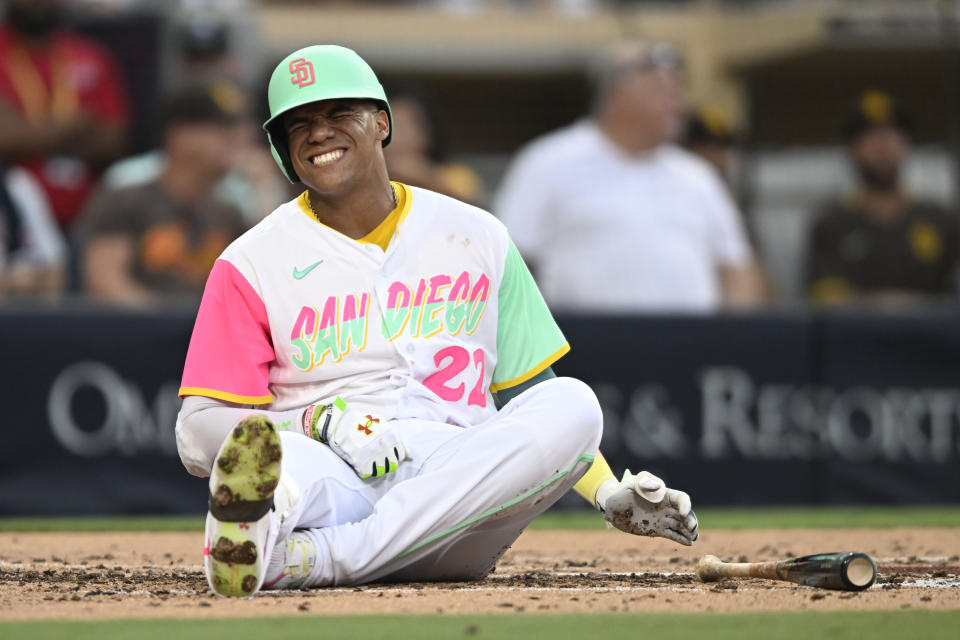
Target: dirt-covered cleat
[[245, 475]]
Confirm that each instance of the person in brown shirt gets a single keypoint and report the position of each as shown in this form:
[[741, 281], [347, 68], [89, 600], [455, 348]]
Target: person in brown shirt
[[159, 239], [881, 245]]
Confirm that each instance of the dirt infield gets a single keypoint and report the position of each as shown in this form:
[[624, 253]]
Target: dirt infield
[[113, 575]]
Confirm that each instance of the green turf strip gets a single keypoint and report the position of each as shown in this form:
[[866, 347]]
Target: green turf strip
[[104, 523], [930, 625], [710, 518], [715, 518]]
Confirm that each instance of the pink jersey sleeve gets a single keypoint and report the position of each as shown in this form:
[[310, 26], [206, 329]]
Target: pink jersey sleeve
[[230, 349]]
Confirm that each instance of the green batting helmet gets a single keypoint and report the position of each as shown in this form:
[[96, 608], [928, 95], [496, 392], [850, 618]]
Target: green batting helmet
[[320, 72]]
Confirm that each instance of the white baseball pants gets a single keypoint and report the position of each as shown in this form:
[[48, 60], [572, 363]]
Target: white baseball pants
[[458, 503]]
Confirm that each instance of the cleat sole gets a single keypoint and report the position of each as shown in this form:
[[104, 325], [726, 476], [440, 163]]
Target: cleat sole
[[245, 476]]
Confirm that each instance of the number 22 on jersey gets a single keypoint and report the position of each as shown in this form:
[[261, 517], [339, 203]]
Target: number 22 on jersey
[[450, 362]]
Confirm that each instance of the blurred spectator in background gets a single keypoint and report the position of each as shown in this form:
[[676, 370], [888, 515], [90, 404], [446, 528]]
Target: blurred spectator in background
[[32, 250], [252, 185], [161, 238], [63, 110], [415, 155], [709, 134], [203, 44], [568, 7], [880, 244], [614, 217]]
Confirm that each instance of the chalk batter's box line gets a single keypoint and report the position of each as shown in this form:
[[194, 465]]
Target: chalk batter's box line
[[620, 574], [279, 593], [924, 583]]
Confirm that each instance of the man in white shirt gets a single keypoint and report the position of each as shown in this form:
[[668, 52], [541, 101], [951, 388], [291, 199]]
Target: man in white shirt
[[614, 217]]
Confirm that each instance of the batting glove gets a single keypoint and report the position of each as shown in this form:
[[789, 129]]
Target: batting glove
[[362, 439], [643, 505]]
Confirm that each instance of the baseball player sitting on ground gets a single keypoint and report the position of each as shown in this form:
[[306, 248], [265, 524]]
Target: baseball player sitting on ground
[[376, 328]]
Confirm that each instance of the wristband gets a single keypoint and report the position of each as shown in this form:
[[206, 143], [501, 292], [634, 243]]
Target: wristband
[[311, 416], [314, 413]]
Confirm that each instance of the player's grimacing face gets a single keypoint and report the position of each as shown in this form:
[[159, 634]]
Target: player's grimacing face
[[333, 142]]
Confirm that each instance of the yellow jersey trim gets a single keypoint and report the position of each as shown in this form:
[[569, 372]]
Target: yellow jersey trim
[[553, 357], [223, 395], [384, 231], [404, 200], [382, 235], [303, 201]]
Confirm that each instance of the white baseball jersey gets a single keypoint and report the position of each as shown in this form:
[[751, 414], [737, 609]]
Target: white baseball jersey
[[295, 313]]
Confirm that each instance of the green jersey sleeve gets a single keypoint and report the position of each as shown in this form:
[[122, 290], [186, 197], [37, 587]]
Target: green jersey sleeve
[[528, 339]]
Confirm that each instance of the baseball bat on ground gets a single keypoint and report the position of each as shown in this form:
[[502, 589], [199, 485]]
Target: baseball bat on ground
[[848, 571]]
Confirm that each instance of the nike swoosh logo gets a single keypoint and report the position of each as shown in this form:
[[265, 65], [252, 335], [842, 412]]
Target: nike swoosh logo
[[299, 274]]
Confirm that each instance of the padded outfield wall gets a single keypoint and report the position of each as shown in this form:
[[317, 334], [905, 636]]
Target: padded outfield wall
[[771, 408]]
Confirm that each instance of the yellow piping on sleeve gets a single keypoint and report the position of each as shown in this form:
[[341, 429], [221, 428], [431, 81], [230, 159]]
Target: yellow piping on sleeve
[[553, 357], [223, 395]]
